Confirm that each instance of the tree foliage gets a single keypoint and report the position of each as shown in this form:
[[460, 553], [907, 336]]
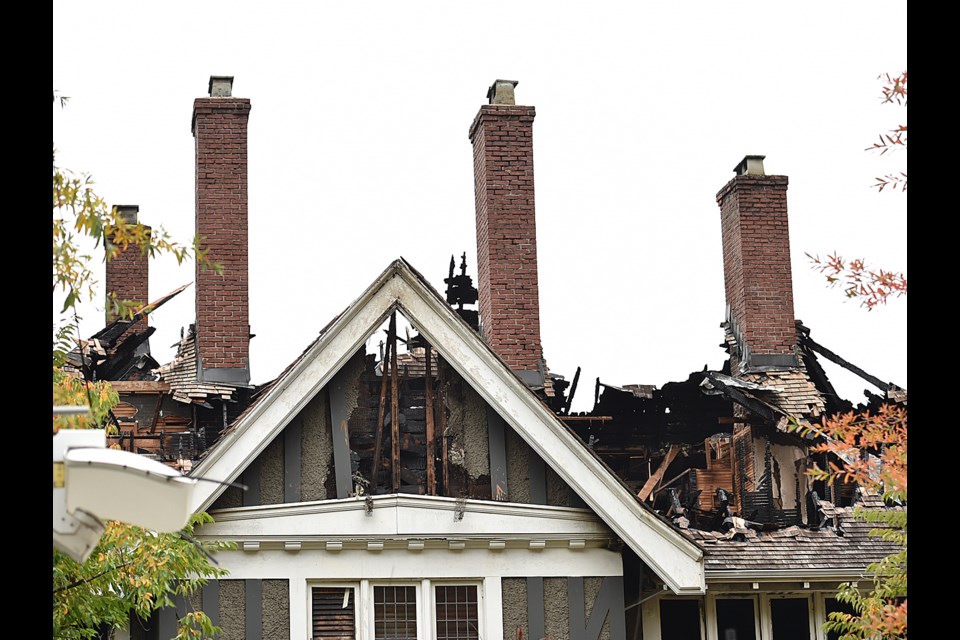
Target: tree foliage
[[870, 285], [132, 570], [870, 449]]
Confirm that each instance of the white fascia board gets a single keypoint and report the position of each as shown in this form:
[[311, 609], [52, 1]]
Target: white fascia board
[[404, 516], [781, 575]]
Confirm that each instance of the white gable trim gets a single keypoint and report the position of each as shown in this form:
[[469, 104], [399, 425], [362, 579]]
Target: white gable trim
[[677, 560]]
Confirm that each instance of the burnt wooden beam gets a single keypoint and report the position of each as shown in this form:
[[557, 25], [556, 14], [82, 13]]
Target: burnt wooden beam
[[657, 475], [441, 406], [375, 462], [573, 390], [394, 406], [832, 357], [431, 435], [156, 413]]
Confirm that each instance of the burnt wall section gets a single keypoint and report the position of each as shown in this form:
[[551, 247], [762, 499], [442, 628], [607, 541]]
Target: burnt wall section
[[466, 438]]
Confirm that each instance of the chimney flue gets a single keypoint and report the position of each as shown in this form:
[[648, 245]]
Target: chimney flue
[[750, 166], [220, 86], [501, 92], [502, 138], [756, 266]]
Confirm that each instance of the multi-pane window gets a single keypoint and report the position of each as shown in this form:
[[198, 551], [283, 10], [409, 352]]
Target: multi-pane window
[[394, 613], [457, 612], [391, 611]]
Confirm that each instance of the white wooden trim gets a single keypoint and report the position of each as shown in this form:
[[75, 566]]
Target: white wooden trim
[[491, 596], [435, 564], [675, 559], [299, 608], [650, 612], [710, 616]]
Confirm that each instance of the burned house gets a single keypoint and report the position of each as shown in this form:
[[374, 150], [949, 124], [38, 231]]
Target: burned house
[[437, 484]]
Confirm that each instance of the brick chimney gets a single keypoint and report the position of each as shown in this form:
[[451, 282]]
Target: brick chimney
[[502, 138], [223, 327], [128, 272], [756, 266]]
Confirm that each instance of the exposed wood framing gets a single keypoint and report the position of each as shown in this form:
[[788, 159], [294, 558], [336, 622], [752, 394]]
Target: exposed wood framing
[[431, 448], [443, 427], [657, 476], [394, 406], [378, 442]]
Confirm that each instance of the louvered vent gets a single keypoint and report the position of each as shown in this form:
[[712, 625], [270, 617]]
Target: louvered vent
[[333, 613]]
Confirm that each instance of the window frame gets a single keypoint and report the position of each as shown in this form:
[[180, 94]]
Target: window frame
[[425, 590]]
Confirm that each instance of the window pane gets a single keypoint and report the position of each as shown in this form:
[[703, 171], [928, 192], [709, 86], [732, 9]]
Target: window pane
[[791, 619], [679, 620], [458, 616], [333, 616], [736, 619], [395, 613]]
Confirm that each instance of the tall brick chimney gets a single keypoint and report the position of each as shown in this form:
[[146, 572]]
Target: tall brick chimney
[[502, 138], [128, 272], [223, 326], [756, 266]]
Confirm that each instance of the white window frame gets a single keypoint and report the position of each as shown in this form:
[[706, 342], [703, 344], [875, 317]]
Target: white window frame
[[710, 613], [426, 603]]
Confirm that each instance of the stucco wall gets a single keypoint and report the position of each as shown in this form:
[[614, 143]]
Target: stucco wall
[[276, 610], [514, 591], [556, 613], [519, 455], [232, 610], [270, 463]]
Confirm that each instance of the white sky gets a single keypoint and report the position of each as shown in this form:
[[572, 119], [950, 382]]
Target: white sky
[[358, 154]]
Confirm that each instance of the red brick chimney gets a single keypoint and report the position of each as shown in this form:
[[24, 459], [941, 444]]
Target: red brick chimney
[[502, 138], [223, 326], [756, 266], [128, 272]]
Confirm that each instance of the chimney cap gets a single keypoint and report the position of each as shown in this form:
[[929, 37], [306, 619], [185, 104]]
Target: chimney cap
[[220, 86], [750, 166], [128, 212], [501, 91]]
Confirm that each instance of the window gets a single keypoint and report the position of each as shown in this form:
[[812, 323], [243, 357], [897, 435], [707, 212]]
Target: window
[[790, 618], [736, 619], [392, 611], [680, 619], [457, 610]]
